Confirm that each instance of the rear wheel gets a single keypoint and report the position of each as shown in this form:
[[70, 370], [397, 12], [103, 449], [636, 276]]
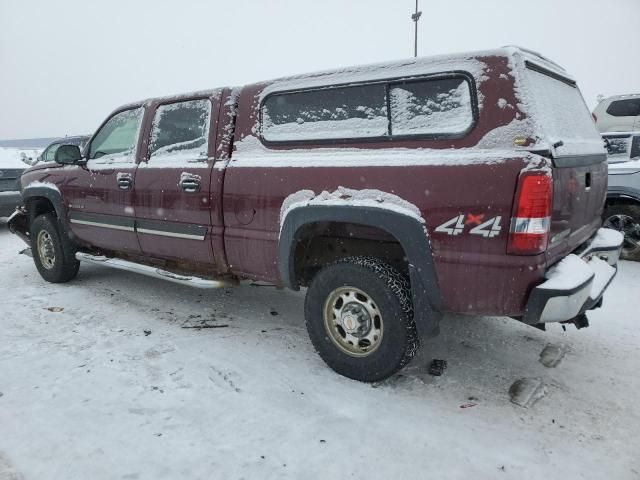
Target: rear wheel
[[626, 219], [359, 317], [53, 252]]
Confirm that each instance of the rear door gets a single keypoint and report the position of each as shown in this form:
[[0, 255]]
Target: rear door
[[100, 194], [579, 159], [173, 193]]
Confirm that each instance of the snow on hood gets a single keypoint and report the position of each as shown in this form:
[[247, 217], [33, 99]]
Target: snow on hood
[[40, 184]]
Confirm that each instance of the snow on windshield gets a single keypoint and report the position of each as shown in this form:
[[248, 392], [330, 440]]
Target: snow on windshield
[[563, 116], [180, 131], [331, 113], [431, 107]]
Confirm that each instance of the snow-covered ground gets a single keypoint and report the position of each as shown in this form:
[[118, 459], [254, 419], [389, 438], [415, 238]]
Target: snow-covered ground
[[106, 378], [10, 156]]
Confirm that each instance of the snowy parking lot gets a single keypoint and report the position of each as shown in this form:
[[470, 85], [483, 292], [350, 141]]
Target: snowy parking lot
[[118, 376]]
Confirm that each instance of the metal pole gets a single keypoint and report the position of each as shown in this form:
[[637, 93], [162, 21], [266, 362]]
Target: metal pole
[[415, 17]]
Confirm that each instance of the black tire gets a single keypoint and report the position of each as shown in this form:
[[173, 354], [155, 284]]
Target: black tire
[[390, 295], [625, 218], [62, 265]]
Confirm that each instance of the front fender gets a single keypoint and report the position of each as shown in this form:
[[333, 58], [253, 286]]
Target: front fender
[[53, 196]]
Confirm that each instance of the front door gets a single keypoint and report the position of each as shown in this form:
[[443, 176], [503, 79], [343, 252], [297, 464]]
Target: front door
[[173, 201], [101, 195]]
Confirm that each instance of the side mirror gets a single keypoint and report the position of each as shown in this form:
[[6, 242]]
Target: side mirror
[[68, 154]]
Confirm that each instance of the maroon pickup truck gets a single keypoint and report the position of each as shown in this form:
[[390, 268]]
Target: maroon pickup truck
[[396, 192]]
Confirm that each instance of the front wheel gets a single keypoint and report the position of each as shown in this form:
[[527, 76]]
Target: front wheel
[[53, 252], [359, 317]]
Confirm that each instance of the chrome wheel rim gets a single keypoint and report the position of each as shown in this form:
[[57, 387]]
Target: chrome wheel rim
[[630, 228], [46, 252], [353, 322]]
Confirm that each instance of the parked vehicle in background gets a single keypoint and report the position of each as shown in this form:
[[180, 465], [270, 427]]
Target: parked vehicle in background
[[470, 183], [622, 211], [9, 190], [48, 154], [620, 113], [14, 160], [11, 167]]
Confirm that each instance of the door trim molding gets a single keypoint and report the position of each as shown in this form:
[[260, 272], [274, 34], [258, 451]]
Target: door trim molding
[[149, 227], [102, 225]]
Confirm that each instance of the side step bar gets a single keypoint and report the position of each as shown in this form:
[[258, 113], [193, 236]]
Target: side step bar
[[121, 264]]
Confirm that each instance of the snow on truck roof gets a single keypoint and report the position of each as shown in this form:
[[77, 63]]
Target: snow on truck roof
[[171, 98], [465, 61]]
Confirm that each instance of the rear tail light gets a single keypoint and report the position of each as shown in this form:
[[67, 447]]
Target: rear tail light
[[529, 232], [595, 119]]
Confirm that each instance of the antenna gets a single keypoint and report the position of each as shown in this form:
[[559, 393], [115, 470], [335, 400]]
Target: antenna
[[415, 17]]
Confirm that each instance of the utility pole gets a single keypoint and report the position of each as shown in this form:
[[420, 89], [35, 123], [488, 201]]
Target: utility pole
[[415, 17]]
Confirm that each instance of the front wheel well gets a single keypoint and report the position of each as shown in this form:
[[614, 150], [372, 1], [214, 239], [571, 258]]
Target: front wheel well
[[322, 243], [37, 206]]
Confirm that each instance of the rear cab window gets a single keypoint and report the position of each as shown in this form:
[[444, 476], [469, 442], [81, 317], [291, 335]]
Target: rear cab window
[[180, 131], [438, 107]]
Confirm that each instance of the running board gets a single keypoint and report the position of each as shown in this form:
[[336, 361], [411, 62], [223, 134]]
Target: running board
[[121, 264]]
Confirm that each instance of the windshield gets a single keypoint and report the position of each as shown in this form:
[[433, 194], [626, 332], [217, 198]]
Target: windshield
[[562, 115]]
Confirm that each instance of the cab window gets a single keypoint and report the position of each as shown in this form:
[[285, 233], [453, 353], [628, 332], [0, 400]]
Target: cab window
[[118, 138], [180, 131]]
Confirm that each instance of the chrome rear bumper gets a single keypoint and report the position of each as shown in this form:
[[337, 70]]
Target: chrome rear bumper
[[577, 283]]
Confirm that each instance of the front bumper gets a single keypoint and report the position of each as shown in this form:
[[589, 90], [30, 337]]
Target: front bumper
[[8, 202], [576, 284], [19, 224]]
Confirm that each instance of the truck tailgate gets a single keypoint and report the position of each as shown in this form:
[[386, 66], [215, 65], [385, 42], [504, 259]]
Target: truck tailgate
[[579, 193]]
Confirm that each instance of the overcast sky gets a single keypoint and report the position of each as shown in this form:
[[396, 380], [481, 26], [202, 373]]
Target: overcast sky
[[64, 65]]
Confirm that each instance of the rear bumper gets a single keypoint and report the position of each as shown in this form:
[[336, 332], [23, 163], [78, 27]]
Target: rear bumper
[[578, 282], [8, 202]]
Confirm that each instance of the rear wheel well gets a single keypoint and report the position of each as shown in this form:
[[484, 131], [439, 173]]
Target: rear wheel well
[[323, 243]]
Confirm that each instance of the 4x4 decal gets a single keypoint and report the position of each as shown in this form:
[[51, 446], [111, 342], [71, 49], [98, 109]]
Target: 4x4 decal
[[449, 228], [455, 226]]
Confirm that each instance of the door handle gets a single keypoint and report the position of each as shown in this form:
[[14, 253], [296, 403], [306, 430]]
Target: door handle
[[125, 181], [189, 183]]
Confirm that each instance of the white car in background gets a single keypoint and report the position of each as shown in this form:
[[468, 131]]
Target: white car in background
[[620, 113], [622, 210]]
